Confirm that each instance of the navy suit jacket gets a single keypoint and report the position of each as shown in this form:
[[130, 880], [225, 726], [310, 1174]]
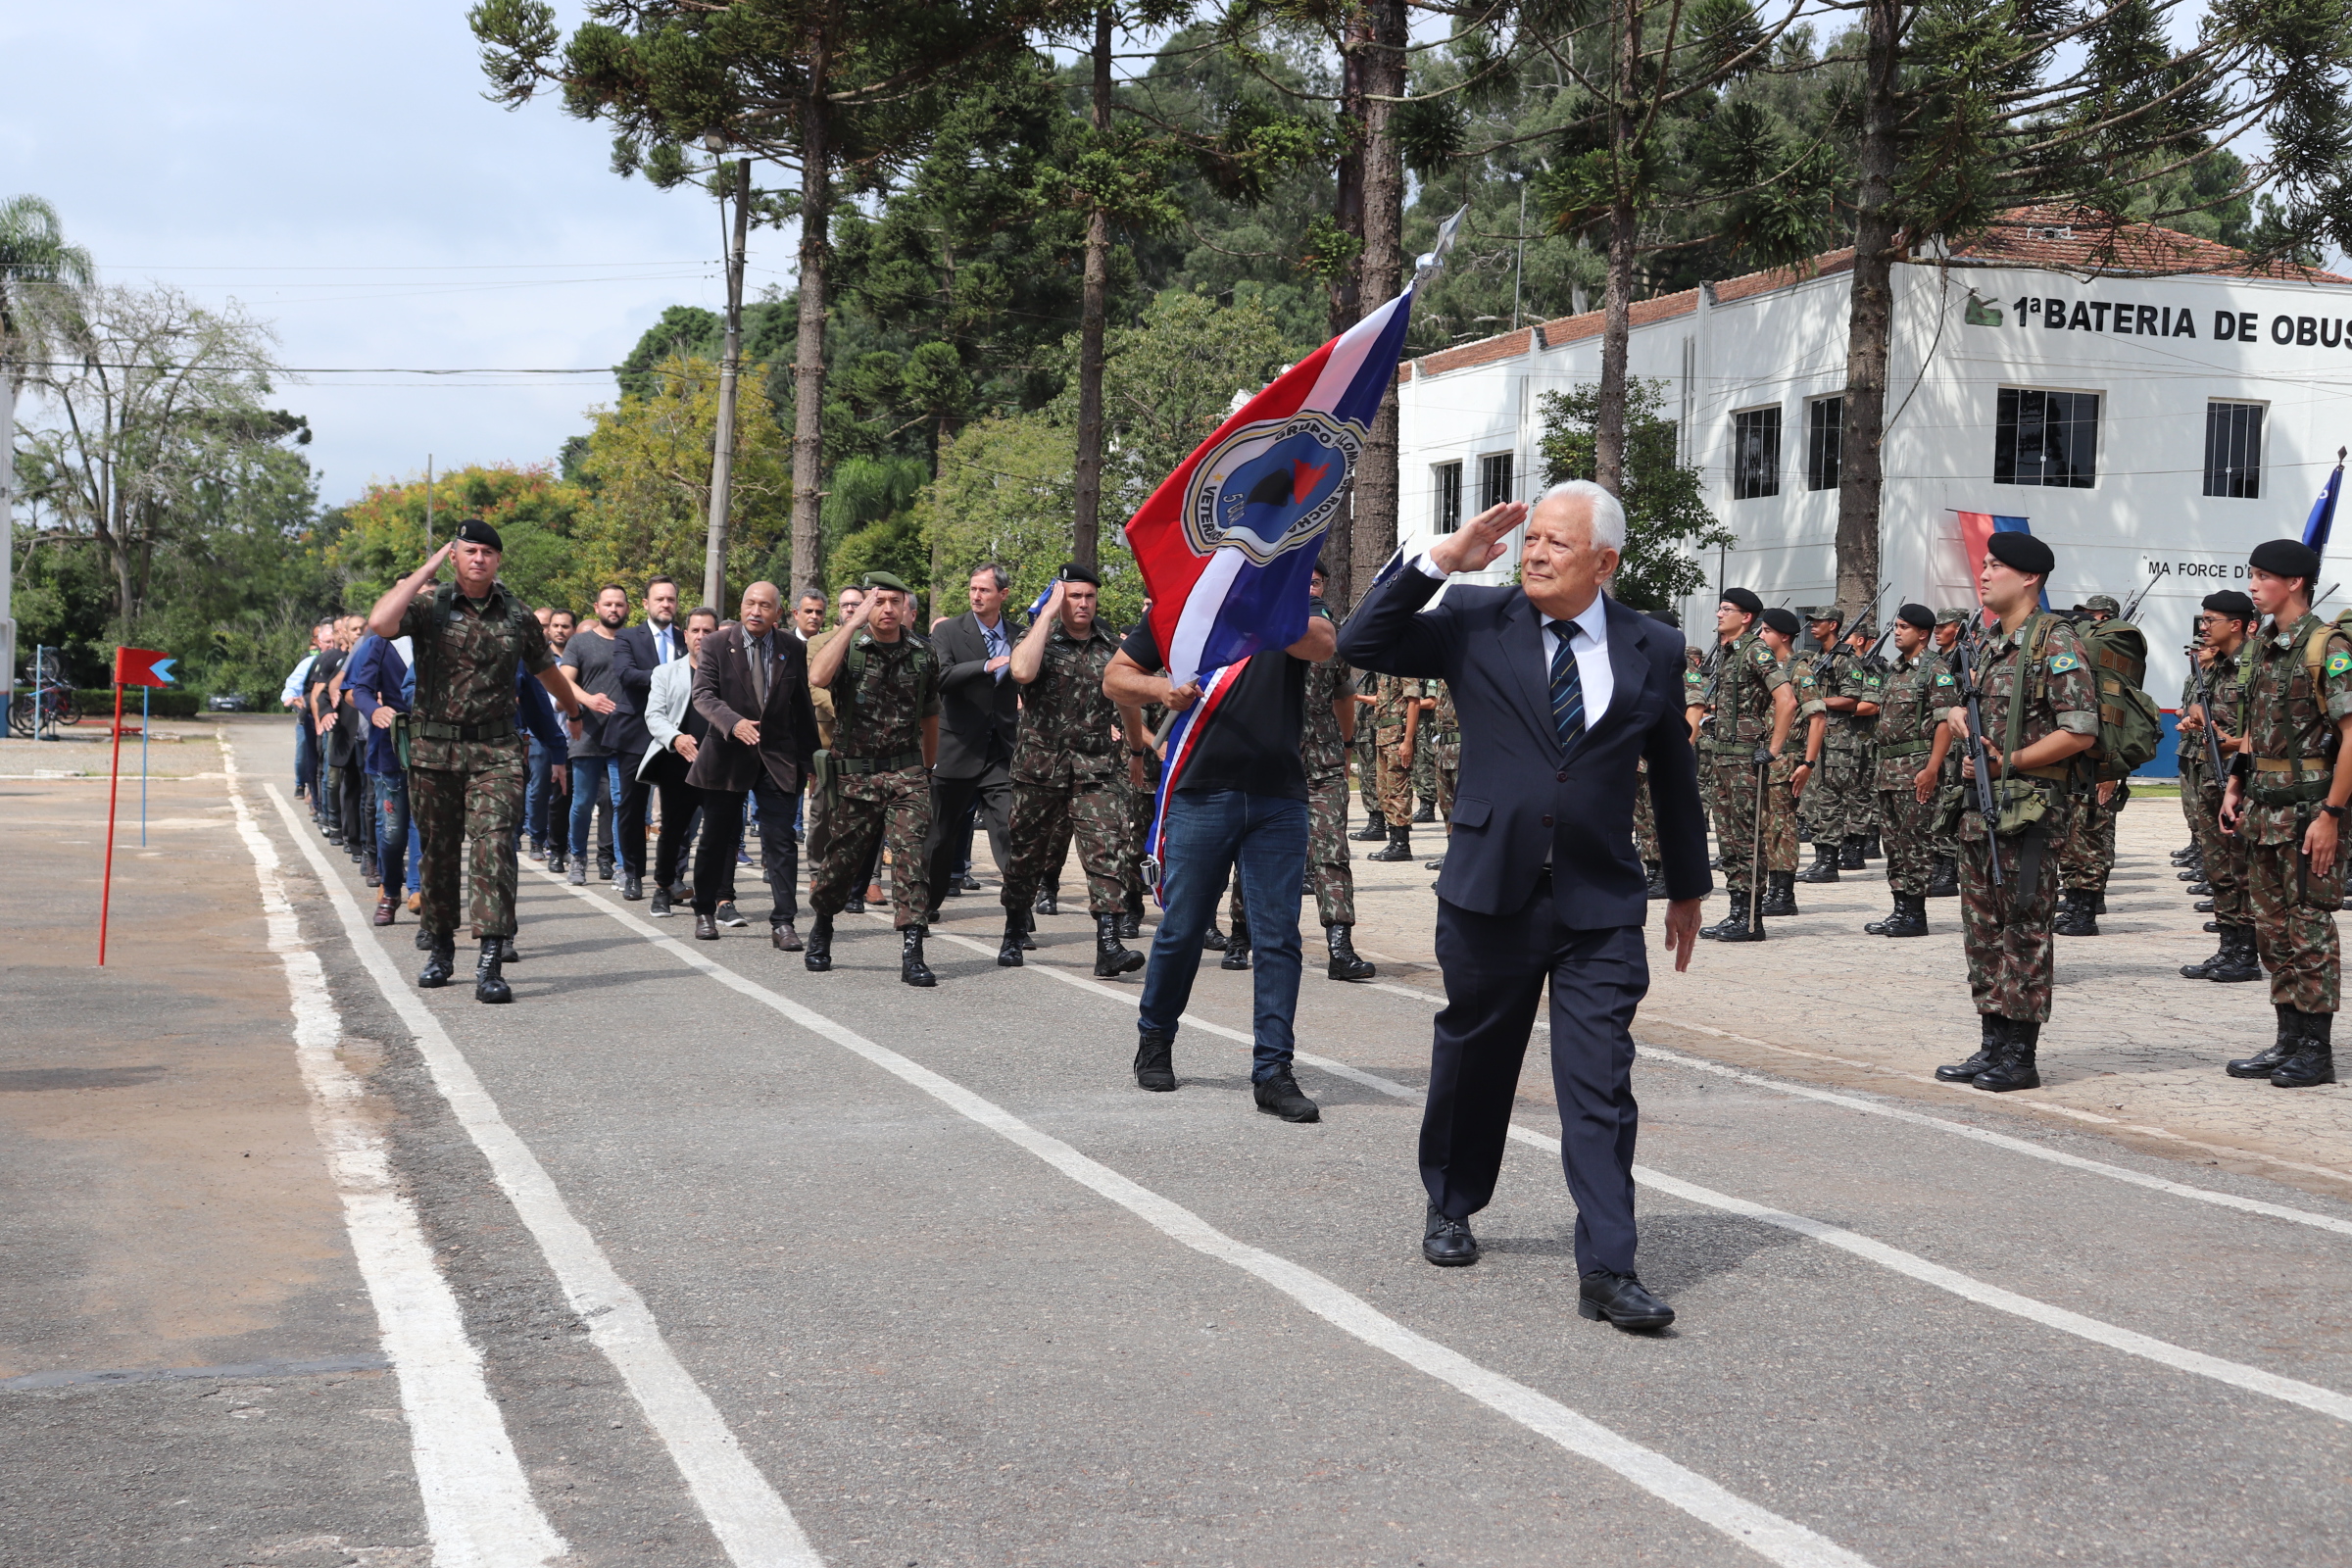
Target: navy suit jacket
[[1518, 801]]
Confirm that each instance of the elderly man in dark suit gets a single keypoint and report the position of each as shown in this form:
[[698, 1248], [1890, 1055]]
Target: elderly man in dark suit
[[751, 683], [1561, 691], [979, 713]]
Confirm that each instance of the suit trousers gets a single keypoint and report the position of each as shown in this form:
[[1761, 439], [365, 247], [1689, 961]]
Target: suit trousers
[[681, 803], [723, 834], [952, 801], [632, 801], [1495, 968]]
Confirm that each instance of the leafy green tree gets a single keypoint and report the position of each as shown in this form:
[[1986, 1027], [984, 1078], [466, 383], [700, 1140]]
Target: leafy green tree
[[1003, 495], [372, 542], [1666, 518], [41, 274]]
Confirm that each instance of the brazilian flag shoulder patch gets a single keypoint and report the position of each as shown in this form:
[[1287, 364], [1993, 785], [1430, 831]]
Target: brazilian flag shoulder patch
[[1760, 655], [2060, 663], [1943, 679], [1871, 681], [2339, 663]]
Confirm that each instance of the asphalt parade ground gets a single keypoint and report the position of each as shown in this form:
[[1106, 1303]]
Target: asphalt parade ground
[[692, 1258]]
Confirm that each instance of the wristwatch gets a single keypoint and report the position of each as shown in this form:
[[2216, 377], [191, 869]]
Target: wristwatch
[[1139, 750], [2331, 810]]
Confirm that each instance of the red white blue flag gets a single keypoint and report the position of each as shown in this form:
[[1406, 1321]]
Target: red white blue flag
[[1228, 542]]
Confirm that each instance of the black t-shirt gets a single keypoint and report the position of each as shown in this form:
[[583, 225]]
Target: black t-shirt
[[1251, 741]]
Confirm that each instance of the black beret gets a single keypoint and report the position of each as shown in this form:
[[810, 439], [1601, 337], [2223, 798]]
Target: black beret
[[2229, 602], [474, 531], [2286, 558], [1918, 615], [2022, 552], [1071, 571], [1779, 620], [1741, 600]]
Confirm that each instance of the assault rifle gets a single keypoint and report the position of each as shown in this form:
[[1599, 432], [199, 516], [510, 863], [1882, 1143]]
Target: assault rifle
[[1964, 678], [1827, 666], [2213, 742]]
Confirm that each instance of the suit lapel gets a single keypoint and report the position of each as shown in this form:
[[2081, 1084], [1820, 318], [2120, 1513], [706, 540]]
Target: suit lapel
[[1627, 662], [1523, 650]]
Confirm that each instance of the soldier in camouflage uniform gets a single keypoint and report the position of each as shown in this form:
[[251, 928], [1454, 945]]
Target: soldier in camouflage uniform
[[1425, 760], [1909, 745], [2041, 709], [1075, 763], [2087, 857], [2226, 620], [1367, 766], [1446, 743], [1792, 771], [1943, 827], [465, 754], [1398, 711], [1699, 707], [876, 775], [1754, 705], [1847, 815], [1822, 801], [2287, 802]]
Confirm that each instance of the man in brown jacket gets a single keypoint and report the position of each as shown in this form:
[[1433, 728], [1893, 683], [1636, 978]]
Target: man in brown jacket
[[751, 685]]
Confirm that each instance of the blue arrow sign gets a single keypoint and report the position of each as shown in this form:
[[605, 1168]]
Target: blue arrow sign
[[163, 669]]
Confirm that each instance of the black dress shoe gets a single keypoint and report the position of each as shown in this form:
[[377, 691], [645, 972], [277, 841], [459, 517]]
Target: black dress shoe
[[1447, 1242], [1619, 1299], [1214, 941], [658, 909], [1281, 1096], [706, 929]]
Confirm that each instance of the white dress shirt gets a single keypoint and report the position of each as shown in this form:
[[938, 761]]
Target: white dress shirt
[[291, 692], [1591, 640], [668, 642], [998, 645]]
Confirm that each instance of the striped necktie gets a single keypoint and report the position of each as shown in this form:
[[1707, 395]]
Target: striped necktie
[[1567, 687]]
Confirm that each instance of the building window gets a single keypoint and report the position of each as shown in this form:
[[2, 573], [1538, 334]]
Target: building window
[[1755, 453], [1825, 421], [2049, 438], [1493, 479], [2234, 450], [1448, 477]]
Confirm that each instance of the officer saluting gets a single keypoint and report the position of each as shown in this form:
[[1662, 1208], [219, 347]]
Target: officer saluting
[[2286, 800], [465, 760]]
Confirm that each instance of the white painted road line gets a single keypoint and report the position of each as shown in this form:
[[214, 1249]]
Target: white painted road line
[[2326, 1402], [2015, 1145], [751, 1521], [479, 1506], [1778, 1539]]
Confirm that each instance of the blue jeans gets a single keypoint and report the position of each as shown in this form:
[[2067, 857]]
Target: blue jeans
[[306, 753], [538, 789], [1264, 838], [388, 797], [591, 777]]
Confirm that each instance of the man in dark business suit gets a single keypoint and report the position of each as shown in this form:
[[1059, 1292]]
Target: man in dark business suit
[[1560, 692], [751, 682], [637, 652], [979, 716]]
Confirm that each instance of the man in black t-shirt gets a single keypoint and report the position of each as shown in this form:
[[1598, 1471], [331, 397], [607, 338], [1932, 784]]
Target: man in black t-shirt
[[1240, 803]]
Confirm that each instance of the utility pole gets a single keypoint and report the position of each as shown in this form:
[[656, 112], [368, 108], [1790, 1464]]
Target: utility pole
[[1519, 266], [723, 441], [428, 502]]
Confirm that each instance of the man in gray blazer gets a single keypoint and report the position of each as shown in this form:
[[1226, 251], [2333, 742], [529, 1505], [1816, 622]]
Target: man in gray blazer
[[1560, 692]]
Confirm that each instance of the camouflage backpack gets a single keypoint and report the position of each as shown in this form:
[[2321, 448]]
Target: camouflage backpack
[[2131, 724]]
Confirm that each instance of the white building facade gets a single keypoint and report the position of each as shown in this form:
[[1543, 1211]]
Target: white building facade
[[2150, 429]]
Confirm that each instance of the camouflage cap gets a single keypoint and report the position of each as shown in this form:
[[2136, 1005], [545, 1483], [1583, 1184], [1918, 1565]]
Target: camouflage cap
[[2103, 602], [1947, 618], [1818, 613]]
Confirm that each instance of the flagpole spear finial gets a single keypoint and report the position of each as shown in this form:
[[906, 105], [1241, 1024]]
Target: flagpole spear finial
[[1435, 258]]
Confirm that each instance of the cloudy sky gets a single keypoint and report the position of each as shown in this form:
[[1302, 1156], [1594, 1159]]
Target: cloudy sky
[[336, 170]]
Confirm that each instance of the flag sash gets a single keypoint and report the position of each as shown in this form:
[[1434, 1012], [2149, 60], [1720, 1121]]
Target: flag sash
[[1184, 737]]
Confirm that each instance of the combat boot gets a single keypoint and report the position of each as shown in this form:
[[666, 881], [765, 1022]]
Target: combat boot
[[1400, 845], [2073, 917], [1112, 958], [1214, 938], [2263, 1063], [1131, 925], [2203, 968], [1780, 893], [1658, 879], [1825, 863], [2240, 962], [367, 871], [2185, 854], [1049, 901], [1375, 829], [2013, 1065], [1991, 1036], [1155, 1068], [1009, 952], [2199, 890], [441, 962], [1237, 948], [817, 952], [1345, 964], [488, 984], [1428, 812], [1849, 855], [912, 970], [1740, 927], [2313, 1060], [1910, 915], [1877, 927], [1943, 878], [1871, 849]]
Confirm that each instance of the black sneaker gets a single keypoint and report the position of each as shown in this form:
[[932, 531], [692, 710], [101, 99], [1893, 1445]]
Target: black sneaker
[[726, 915], [1280, 1096]]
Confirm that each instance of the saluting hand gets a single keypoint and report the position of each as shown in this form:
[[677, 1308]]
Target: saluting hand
[[1481, 542]]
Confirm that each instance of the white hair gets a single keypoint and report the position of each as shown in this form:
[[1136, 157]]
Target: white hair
[[1609, 518]]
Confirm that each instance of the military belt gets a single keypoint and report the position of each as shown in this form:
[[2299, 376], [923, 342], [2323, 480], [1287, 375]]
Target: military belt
[[1905, 749], [866, 766], [2056, 772], [497, 729], [2293, 764]]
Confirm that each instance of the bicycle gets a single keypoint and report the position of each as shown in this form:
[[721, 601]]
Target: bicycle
[[51, 704]]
